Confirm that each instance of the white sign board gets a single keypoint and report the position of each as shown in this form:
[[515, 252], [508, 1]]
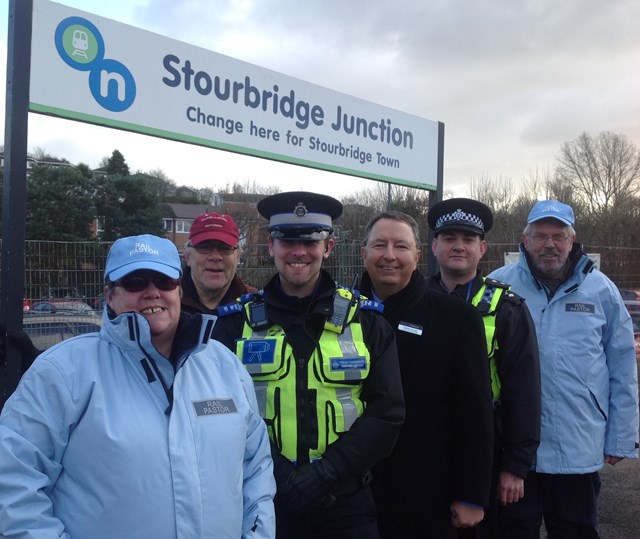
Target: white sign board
[[511, 257], [100, 71]]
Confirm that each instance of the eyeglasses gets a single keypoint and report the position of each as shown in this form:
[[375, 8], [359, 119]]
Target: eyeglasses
[[205, 248], [140, 283], [543, 238]]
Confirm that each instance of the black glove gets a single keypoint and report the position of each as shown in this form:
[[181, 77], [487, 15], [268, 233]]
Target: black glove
[[282, 467], [310, 487]]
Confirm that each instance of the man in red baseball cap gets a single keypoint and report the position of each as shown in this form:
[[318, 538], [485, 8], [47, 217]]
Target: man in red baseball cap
[[212, 256]]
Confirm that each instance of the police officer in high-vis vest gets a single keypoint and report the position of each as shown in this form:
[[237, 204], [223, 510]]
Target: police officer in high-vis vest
[[325, 369], [460, 225]]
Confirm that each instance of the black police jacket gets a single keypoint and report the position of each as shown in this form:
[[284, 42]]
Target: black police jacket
[[373, 435], [518, 412]]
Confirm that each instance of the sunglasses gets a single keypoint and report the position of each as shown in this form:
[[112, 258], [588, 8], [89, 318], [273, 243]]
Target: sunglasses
[[140, 283]]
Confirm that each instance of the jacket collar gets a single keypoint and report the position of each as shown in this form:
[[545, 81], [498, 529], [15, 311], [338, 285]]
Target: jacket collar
[[465, 291], [191, 300], [397, 303], [130, 332], [284, 308]]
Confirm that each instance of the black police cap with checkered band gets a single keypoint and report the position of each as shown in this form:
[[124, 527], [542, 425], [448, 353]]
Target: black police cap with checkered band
[[460, 214]]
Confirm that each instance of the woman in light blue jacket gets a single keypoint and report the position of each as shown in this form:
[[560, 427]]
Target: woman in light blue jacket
[[588, 375], [146, 429]]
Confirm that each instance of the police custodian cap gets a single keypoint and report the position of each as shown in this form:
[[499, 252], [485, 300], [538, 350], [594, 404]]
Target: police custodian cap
[[460, 214], [300, 215]]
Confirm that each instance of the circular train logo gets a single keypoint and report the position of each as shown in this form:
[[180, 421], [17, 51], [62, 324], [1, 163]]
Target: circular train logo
[[81, 46]]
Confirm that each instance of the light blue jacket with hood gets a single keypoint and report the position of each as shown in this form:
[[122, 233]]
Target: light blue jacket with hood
[[92, 445], [587, 366]]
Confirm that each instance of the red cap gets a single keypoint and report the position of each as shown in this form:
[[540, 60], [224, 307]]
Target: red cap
[[214, 226]]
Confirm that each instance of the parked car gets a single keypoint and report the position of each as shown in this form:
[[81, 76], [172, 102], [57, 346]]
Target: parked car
[[47, 330], [635, 318], [62, 306], [629, 294], [633, 306], [62, 292], [98, 303]]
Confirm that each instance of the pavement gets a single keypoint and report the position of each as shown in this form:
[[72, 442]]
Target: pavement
[[619, 501]]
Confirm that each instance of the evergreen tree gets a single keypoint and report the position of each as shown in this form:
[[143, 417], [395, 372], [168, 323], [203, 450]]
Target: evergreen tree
[[127, 206], [59, 204], [117, 165]]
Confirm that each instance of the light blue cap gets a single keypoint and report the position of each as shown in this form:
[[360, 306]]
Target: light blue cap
[[144, 252], [552, 209]]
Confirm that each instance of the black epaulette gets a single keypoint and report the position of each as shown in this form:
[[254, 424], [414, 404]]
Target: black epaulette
[[511, 296], [495, 283], [508, 294]]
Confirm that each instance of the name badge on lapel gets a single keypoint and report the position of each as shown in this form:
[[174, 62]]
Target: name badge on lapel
[[410, 328], [215, 407]]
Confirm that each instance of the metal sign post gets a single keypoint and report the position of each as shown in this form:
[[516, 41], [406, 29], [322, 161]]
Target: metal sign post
[[14, 188], [434, 197]]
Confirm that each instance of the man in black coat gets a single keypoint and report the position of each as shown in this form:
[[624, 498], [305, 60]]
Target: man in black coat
[[438, 477]]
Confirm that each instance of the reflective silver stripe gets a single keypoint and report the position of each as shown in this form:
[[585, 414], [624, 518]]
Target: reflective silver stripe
[[349, 408], [261, 396], [253, 368], [348, 349]]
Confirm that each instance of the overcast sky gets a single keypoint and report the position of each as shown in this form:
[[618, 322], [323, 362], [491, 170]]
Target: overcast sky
[[511, 81]]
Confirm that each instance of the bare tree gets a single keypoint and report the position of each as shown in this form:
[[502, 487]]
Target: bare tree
[[374, 197], [602, 173], [165, 186], [510, 209], [557, 189], [160, 174], [42, 156], [534, 184], [497, 193], [248, 186], [239, 200], [361, 207]]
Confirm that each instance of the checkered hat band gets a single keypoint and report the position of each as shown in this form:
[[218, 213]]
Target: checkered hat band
[[460, 217]]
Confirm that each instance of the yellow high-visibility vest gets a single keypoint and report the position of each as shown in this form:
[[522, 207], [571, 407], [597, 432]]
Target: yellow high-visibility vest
[[333, 376], [487, 300]]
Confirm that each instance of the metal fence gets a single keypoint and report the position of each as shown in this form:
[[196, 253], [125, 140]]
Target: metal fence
[[51, 265], [64, 280]]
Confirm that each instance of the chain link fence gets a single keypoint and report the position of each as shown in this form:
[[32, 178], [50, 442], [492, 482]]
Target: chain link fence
[[64, 280], [66, 270]]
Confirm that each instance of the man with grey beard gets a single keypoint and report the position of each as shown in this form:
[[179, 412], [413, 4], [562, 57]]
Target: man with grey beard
[[588, 377]]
